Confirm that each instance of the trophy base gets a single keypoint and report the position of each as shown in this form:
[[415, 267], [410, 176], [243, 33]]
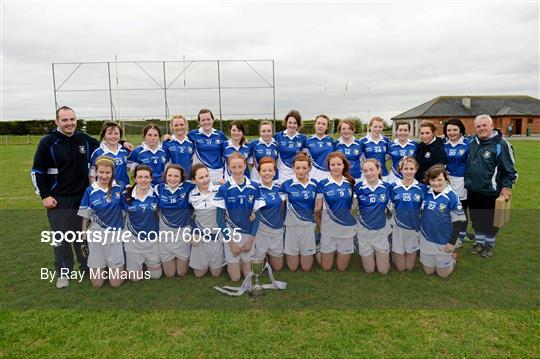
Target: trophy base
[[256, 292]]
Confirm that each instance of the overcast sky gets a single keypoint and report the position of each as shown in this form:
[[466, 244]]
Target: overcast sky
[[341, 58]]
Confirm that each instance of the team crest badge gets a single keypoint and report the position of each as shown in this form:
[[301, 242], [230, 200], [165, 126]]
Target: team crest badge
[[108, 200], [154, 206], [461, 152], [382, 197], [117, 195], [250, 198], [190, 150], [442, 207], [427, 155], [487, 154], [356, 152], [417, 198], [298, 143], [218, 141], [82, 150]]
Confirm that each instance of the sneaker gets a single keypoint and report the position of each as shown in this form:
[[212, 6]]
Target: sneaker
[[477, 248], [62, 282], [487, 252], [459, 243]]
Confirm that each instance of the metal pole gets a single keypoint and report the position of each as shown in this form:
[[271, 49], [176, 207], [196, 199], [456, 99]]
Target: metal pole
[[219, 96], [54, 87], [165, 97], [274, 94], [110, 89]]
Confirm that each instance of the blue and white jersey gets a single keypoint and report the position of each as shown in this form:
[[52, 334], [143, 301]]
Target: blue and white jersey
[[456, 157], [142, 214], [174, 205], [259, 149], [120, 158], [338, 198], [397, 151], [407, 203], [300, 199], [438, 213], [104, 211], [155, 159], [228, 150], [239, 201], [375, 149], [352, 153], [180, 152], [271, 213], [288, 147], [208, 148], [319, 149], [372, 203]]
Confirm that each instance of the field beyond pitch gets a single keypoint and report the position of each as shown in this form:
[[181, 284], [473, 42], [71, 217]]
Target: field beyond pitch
[[488, 307]]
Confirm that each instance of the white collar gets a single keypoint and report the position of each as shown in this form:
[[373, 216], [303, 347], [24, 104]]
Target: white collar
[[444, 193], [210, 134], [146, 148], [295, 181], [285, 134], [173, 138], [460, 141], [233, 184], [370, 139], [396, 142], [270, 188], [211, 188], [150, 193], [379, 184], [96, 187], [267, 144], [332, 180], [433, 140], [106, 149], [230, 144], [166, 186], [340, 140], [319, 138], [399, 183]]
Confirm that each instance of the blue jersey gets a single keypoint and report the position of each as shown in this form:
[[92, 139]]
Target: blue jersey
[[239, 201], [142, 213], [319, 149], [372, 203], [288, 147], [338, 199], [397, 151], [259, 149], [271, 213], [438, 213], [208, 148], [300, 198], [180, 152], [155, 159], [174, 205], [407, 203], [456, 157], [376, 150], [229, 149], [352, 153], [120, 158], [104, 210]]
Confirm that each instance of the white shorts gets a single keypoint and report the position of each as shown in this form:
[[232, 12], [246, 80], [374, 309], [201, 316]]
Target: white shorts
[[300, 240], [284, 173], [405, 240], [268, 241], [175, 247], [392, 178], [318, 174], [370, 241], [216, 175], [331, 244], [243, 257], [458, 185], [207, 255], [433, 254], [109, 255], [139, 252]]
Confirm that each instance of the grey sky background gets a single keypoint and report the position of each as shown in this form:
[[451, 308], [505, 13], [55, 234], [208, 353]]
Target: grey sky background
[[341, 58]]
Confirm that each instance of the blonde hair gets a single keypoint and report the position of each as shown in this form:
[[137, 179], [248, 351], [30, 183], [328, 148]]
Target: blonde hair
[[375, 119], [106, 161]]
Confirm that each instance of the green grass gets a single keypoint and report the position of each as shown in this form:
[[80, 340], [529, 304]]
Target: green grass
[[486, 308]]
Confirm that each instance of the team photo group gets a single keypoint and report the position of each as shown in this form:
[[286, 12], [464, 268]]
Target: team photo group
[[200, 199]]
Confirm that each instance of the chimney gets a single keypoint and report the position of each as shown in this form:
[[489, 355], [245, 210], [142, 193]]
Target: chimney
[[466, 102]]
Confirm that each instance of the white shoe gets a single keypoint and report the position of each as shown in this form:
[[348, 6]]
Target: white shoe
[[459, 243], [62, 282]]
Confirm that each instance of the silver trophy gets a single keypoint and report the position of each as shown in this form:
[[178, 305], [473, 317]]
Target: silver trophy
[[257, 267]]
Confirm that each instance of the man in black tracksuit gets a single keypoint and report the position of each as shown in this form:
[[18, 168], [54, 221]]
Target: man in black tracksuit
[[490, 172]]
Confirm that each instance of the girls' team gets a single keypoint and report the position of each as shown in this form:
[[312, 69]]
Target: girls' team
[[255, 210]]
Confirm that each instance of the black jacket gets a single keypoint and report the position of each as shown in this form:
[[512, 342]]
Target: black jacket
[[429, 155], [490, 165], [61, 163]]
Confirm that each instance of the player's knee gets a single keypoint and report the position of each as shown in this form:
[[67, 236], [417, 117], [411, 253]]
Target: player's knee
[[156, 274], [235, 277], [97, 283], [383, 271], [116, 283]]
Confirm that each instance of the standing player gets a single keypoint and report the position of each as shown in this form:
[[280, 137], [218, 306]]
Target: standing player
[[150, 153], [373, 228], [269, 238], [301, 194], [338, 226], [289, 142], [430, 150], [457, 153], [401, 147], [206, 250], [439, 224], [110, 135], [102, 204], [174, 246], [179, 148], [265, 146], [348, 145], [208, 145], [320, 145], [407, 197], [141, 245], [237, 200], [237, 143], [375, 145]]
